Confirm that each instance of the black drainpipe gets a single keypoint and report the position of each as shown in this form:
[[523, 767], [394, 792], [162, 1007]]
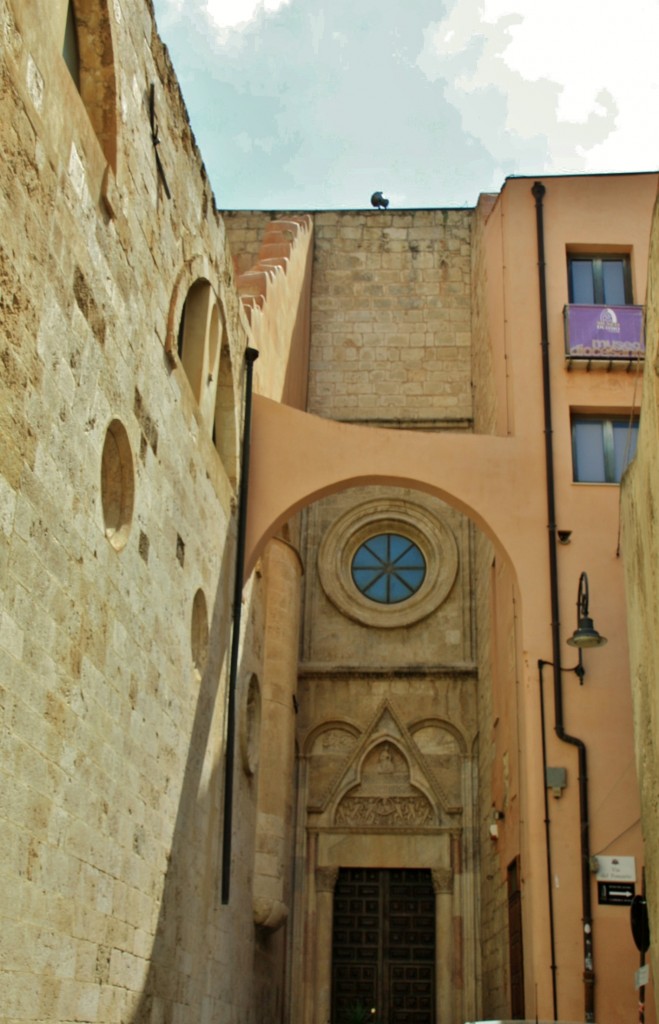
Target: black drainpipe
[[538, 192], [550, 885], [251, 355]]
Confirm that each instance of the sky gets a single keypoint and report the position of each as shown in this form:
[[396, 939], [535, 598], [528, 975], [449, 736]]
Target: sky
[[315, 104]]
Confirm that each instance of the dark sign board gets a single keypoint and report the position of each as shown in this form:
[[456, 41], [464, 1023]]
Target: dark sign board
[[618, 894]]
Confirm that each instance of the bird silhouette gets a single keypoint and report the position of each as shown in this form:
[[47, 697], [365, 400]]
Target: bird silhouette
[[378, 201]]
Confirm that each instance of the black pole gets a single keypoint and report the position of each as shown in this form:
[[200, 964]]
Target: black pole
[[251, 355], [550, 885], [641, 988], [538, 190]]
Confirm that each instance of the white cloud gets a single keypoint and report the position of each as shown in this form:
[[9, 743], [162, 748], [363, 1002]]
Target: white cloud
[[295, 103], [234, 13], [581, 76]]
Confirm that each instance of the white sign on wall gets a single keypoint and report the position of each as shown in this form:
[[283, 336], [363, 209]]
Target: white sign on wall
[[616, 869]]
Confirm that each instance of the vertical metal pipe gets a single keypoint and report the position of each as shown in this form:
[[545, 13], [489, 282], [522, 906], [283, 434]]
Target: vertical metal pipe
[[550, 886], [251, 355], [538, 190]]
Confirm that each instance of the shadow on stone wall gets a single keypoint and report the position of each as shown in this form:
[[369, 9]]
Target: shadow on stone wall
[[185, 975]]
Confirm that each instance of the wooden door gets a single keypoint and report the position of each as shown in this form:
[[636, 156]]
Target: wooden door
[[515, 938], [383, 955]]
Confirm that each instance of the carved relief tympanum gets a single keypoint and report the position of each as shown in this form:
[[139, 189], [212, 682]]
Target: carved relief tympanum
[[387, 811], [385, 797]]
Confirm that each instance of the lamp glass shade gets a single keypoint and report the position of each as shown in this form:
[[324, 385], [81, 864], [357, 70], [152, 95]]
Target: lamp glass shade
[[585, 635]]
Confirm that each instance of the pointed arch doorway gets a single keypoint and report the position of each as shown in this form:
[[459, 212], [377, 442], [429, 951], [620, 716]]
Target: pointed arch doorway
[[383, 946]]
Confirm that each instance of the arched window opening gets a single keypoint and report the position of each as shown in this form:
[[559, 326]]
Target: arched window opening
[[224, 426], [214, 337], [199, 633], [70, 49], [117, 485], [88, 53], [193, 333], [203, 349]]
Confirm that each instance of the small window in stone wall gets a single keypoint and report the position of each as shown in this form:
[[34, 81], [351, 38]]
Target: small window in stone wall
[[203, 350], [224, 425], [117, 485], [70, 50], [199, 633], [88, 53], [193, 334]]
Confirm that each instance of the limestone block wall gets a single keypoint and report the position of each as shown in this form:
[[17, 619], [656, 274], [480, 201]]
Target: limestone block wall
[[116, 546], [498, 767], [390, 345], [496, 672], [391, 317], [245, 231], [639, 497], [275, 292], [487, 364]]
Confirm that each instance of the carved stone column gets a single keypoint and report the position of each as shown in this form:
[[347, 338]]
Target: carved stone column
[[325, 882], [282, 571], [442, 881]]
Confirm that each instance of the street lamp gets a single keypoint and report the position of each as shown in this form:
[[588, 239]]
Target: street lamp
[[585, 635]]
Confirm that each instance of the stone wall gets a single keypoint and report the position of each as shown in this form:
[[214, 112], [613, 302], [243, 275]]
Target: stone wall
[[484, 275], [641, 556], [442, 637], [391, 317], [498, 768], [390, 346], [496, 670], [245, 231], [116, 543]]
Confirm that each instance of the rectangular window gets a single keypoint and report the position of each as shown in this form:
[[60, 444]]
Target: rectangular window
[[602, 447], [599, 280]]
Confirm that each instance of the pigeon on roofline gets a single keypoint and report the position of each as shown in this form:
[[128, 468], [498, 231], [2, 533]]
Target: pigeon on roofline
[[378, 201]]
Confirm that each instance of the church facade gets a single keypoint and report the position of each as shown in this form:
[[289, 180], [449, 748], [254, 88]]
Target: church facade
[[295, 509]]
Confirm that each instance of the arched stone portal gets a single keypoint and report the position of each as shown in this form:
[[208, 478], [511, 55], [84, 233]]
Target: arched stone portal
[[386, 810], [300, 461]]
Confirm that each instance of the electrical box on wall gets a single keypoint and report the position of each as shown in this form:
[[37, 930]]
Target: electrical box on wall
[[556, 780]]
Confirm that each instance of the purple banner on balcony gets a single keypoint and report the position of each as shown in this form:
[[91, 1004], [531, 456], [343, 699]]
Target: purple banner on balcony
[[604, 332]]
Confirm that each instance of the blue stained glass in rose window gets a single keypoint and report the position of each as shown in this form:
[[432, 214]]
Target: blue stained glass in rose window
[[388, 568]]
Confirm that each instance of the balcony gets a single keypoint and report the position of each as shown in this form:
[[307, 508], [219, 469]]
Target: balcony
[[610, 335]]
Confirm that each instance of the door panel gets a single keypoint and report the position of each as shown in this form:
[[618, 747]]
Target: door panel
[[384, 945], [517, 1011]]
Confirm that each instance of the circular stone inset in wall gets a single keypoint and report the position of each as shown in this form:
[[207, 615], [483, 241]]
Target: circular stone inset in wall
[[117, 485], [199, 632], [360, 567]]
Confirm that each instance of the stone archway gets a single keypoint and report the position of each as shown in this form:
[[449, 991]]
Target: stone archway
[[297, 458]]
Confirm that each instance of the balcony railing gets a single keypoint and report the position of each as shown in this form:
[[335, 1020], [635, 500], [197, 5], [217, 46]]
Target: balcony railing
[[604, 333]]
